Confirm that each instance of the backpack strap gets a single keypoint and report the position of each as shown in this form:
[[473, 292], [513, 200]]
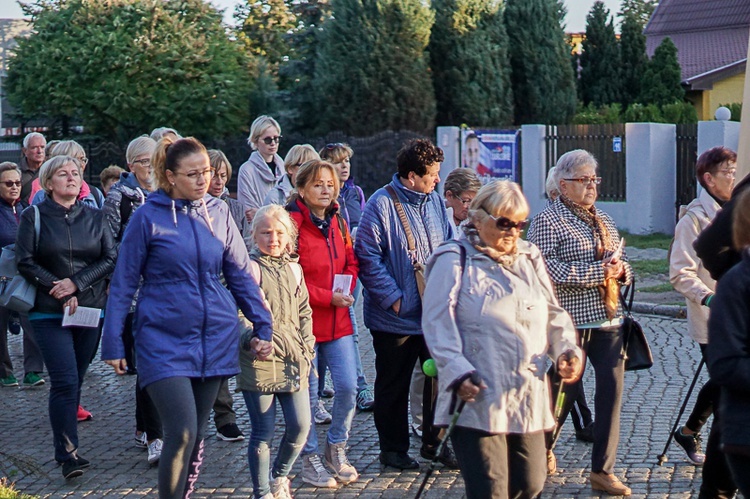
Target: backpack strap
[[344, 231], [297, 271]]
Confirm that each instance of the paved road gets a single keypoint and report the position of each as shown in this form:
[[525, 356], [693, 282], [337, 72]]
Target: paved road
[[119, 469]]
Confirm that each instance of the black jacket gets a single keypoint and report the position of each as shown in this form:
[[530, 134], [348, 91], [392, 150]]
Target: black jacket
[[73, 243], [728, 356], [714, 245]]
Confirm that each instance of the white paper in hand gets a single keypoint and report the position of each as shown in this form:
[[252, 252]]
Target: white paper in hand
[[342, 283], [84, 317]]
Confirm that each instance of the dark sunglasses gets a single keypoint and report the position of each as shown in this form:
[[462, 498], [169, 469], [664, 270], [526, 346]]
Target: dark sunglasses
[[270, 140], [11, 183], [506, 224]]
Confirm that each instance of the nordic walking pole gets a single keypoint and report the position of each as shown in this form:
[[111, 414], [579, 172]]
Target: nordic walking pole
[[663, 456], [429, 370]]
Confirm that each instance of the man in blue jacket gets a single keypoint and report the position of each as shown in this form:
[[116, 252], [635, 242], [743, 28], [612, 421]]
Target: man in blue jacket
[[392, 301]]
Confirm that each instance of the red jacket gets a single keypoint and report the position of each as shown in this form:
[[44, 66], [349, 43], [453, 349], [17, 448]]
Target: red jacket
[[321, 258]]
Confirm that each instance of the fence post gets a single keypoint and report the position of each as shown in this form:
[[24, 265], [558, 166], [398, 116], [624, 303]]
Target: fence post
[[448, 139], [651, 159], [534, 166], [718, 133]]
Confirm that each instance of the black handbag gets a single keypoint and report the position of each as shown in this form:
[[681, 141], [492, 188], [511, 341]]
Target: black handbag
[[635, 347]]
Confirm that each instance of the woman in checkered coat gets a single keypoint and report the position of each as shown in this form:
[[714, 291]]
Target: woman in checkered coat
[[580, 244]]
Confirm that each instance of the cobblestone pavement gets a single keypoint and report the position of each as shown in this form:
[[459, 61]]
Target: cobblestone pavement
[[651, 401]]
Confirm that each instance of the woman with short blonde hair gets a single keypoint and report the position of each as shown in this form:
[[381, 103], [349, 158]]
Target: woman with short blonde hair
[[264, 168]]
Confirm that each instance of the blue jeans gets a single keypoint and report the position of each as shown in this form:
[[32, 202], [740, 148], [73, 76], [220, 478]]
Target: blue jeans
[[262, 410], [339, 357], [67, 353]]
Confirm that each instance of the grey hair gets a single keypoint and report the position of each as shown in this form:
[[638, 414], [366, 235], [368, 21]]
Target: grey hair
[[67, 148], [159, 133], [552, 186], [30, 136], [9, 166], [462, 180], [138, 147], [571, 161], [278, 213], [260, 125], [52, 165]]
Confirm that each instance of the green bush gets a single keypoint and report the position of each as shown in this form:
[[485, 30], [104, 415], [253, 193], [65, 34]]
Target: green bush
[[736, 109]]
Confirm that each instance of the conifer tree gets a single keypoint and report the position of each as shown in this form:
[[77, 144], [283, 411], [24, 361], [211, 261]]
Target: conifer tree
[[662, 78], [634, 59], [469, 61], [541, 73], [372, 70], [600, 61]]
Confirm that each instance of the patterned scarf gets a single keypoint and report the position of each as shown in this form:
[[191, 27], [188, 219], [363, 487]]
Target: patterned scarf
[[472, 235], [610, 290]]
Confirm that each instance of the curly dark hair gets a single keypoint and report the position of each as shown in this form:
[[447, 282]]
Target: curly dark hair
[[416, 156]]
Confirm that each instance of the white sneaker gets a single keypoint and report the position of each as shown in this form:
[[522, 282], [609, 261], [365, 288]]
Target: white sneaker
[[141, 441], [314, 473], [336, 460], [281, 488], [322, 416], [154, 451]]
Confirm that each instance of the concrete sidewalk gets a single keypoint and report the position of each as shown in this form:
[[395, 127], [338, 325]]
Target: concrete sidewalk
[[119, 469]]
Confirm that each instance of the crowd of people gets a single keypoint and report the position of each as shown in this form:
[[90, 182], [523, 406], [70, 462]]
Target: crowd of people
[[267, 283]]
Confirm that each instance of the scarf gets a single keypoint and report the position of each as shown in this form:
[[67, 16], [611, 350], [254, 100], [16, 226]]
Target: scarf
[[610, 290], [505, 259]]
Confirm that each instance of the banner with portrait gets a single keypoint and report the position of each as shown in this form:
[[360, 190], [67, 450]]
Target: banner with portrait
[[493, 154]]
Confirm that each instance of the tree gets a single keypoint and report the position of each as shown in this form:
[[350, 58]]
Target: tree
[[123, 67], [641, 10], [634, 59], [662, 80], [469, 53], [372, 71], [541, 72], [265, 26], [600, 60]]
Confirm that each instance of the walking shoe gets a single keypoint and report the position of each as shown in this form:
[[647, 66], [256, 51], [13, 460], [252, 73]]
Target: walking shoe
[[327, 391], [608, 483], [551, 463], [230, 432], [32, 379], [338, 463], [321, 415], [586, 434], [314, 473], [83, 463], [73, 468], [281, 487], [83, 414], [14, 326], [365, 399], [398, 460], [446, 457], [416, 430], [8, 381], [154, 451], [692, 446], [141, 441]]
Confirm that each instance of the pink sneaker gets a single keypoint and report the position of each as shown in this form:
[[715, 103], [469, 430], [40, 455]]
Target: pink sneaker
[[84, 415]]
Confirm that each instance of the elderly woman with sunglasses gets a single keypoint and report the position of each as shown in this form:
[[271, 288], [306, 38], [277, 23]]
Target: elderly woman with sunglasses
[[501, 321], [580, 245], [263, 169]]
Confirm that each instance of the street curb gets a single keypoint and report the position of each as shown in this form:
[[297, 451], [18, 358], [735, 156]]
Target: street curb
[[674, 311]]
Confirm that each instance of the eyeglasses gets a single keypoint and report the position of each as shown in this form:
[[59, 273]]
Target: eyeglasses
[[729, 172], [209, 172], [142, 162], [585, 181], [335, 145], [506, 224], [272, 140], [84, 160], [11, 183], [464, 201]]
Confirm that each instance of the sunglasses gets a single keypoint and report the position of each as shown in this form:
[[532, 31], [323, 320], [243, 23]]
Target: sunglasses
[[11, 183], [506, 224], [272, 140], [335, 145]]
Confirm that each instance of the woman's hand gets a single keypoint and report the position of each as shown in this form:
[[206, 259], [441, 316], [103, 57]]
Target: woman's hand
[[569, 367], [468, 390], [342, 300], [63, 288], [614, 270], [72, 303], [261, 348], [250, 214], [120, 365]]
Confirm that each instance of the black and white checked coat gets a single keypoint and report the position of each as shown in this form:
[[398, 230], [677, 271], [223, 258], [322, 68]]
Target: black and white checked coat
[[568, 247]]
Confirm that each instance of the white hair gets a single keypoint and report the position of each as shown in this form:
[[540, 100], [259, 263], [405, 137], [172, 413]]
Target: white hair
[[30, 136]]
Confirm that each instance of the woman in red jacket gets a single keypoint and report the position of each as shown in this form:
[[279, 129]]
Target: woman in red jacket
[[327, 257]]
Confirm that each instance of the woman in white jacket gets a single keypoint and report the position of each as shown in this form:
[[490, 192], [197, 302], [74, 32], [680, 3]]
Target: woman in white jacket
[[715, 170], [502, 322]]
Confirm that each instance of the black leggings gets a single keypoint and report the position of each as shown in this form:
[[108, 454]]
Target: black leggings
[[704, 403], [184, 405]]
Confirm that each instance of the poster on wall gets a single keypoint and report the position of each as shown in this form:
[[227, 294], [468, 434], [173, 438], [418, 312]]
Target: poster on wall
[[493, 154]]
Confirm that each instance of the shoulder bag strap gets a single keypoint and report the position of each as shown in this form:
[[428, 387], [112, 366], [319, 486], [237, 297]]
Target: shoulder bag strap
[[404, 221]]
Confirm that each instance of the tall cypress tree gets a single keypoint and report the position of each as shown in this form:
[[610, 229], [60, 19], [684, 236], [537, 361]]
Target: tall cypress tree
[[662, 79], [541, 74], [469, 54], [372, 71], [634, 59], [600, 61]]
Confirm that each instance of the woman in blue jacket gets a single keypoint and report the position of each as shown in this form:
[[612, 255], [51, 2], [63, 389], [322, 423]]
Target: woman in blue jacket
[[186, 329]]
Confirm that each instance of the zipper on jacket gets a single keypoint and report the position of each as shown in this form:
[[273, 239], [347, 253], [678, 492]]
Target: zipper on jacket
[[203, 297], [333, 277]]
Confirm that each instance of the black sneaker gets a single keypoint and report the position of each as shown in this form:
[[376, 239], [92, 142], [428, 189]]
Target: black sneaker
[[586, 434], [14, 326], [399, 460], [446, 457], [230, 432], [692, 446], [72, 468]]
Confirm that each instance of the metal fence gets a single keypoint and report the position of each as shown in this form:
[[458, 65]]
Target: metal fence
[[605, 142], [687, 155]]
